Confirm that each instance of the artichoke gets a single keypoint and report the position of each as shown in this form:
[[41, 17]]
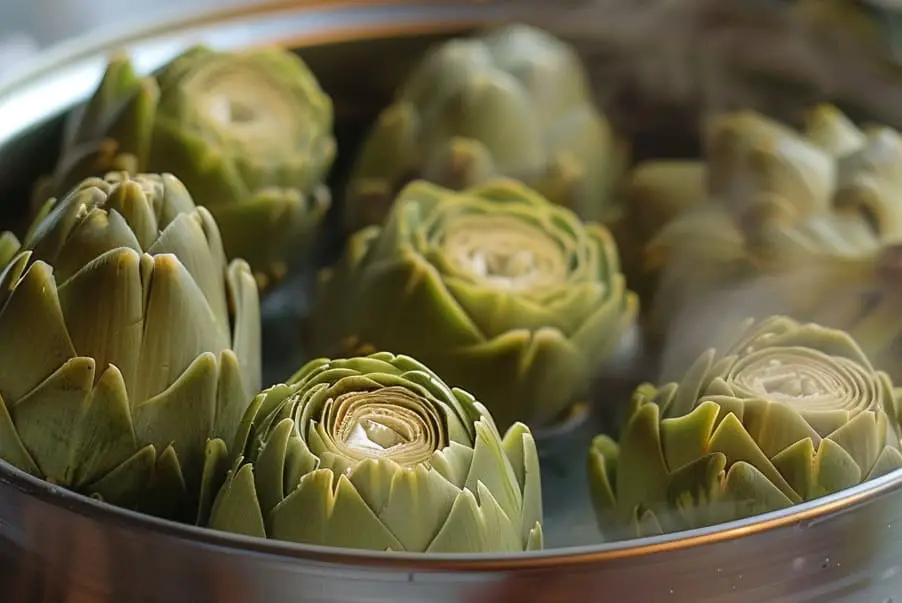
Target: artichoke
[[805, 224], [378, 453], [514, 102], [499, 291], [249, 133], [145, 345], [790, 413]]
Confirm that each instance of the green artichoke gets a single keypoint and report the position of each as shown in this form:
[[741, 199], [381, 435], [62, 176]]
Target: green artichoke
[[740, 179], [790, 413], [249, 133], [514, 102], [145, 345], [377, 452], [499, 291], [806, 224]]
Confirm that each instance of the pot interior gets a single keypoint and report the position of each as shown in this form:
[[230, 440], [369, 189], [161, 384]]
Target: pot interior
[[361, 72]]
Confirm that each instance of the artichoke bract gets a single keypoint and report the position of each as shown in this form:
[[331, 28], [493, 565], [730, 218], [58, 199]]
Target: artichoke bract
[[249, 133], [499, 291], [129, 348], [9, 247], [378, 453], [513, 102], [791, 412]]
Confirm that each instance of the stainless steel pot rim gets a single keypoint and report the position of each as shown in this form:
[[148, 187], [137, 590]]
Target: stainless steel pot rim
[[804, 514], [31, 95], [84, 57]]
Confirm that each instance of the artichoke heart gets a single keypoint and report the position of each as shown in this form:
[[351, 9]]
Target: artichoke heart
[[129, 347], [513, 102], [499, 291], [805, 224], [249, 133], [377, 452], [791, 412]]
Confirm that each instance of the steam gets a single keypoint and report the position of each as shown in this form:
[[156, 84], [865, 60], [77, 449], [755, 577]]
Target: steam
[[655, 63]]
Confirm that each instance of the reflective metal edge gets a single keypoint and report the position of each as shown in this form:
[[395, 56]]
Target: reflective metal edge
[[60, 546]]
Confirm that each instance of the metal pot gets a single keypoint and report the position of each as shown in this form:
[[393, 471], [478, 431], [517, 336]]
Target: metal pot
[[56, 546]]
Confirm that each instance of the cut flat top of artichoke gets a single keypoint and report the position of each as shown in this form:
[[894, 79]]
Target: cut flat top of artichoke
[[391, 422], [805, 378], [244, 104], [505, 252]]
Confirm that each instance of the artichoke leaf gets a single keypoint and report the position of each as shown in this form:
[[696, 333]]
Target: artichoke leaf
[[476, 522], [35, 341], [333, 513], [186, 237], [889, 460], [182, 414], [641, 470], [232, 397], [489, 469], [453, 463], [105, 433], [833, 131], [46, 415], [427, 491], [168, 493], [519, 447], [127, 484], [215, 472], [12, 449], [237, 508], [246, 330], [111, 286], [178, 325], [269, 477], [603, 460]]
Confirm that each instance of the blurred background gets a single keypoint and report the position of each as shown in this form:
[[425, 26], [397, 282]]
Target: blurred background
[[27, 26]]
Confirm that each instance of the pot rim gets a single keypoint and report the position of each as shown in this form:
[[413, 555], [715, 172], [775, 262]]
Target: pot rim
[[95, 46], [809, 513]]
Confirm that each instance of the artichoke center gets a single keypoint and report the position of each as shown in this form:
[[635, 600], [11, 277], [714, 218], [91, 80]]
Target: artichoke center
[[378, 433], [504, 252], [391, 422], [230, 111], [244, 105], [804, 378]]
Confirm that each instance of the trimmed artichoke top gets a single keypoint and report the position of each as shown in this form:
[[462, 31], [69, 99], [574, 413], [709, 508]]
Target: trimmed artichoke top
[[789, 413], [126, 343], [804, 224], [512, 102], [249, 133], [499, 291], [377, 452]]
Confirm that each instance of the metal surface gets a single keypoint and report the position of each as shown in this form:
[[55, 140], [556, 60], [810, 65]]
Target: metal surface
[[59, 547]]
